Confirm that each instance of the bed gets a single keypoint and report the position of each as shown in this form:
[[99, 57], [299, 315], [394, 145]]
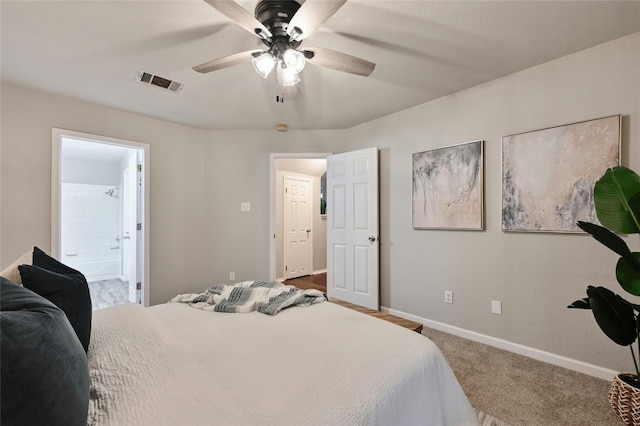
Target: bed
[[324, 364]]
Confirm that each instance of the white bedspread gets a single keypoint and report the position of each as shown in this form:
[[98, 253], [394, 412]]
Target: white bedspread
[[320, 365]]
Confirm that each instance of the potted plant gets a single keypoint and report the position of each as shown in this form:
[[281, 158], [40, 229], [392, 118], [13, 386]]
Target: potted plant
[[617, 201]]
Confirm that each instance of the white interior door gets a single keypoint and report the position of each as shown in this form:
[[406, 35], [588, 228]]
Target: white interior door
[[298, 218], [129, 226], [352, 227]]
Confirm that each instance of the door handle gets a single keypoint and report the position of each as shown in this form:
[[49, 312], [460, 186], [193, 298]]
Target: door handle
[[308, 230], [372, 238]]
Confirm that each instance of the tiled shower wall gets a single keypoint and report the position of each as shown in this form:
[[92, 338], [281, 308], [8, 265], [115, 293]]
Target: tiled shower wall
[[91, 221]]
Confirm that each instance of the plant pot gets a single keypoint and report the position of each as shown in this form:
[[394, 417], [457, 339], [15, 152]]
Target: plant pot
[[625, 398]]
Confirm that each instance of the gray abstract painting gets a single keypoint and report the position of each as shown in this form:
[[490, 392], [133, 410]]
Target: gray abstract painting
[[448, 187], [548, 175]]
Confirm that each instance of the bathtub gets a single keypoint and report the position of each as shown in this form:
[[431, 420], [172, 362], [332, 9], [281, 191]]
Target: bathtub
[[96, 269]]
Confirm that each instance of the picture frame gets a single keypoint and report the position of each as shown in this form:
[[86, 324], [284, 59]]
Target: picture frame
[[548, 175], [448, 187]]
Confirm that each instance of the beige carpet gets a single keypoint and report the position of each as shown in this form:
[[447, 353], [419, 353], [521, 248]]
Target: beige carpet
[[521, 391]]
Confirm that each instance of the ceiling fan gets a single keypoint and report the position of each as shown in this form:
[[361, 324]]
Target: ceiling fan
[[282, 25]]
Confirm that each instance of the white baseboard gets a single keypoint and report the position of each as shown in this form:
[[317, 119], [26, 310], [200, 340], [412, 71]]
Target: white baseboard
[[559, 360]]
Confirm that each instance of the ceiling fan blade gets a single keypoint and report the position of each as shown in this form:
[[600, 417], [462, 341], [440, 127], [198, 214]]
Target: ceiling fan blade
[[338, 61], [311, 15], [240, 16], [226, 61]]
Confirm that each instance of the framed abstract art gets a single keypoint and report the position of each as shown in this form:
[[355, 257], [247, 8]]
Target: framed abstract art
[[548, 175], [448, 187]]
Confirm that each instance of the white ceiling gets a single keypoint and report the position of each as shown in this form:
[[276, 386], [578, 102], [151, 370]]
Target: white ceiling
[[92, 50], [87, 150]]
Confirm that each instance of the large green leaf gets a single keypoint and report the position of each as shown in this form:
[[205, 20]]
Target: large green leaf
[[617, 200], [580, 304], [613, 314], [612, 241], [628, 275]]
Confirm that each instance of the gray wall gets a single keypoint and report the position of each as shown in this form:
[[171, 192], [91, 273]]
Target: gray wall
[[534, 275], [199, 178], [177, 179]]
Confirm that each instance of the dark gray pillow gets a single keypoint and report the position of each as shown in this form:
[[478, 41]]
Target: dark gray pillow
[[69, 292], [44, 369], [43, 260], [66, 287]]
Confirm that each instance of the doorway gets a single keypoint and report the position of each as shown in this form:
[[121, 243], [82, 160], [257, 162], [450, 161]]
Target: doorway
[[99, 211], [351, 247], [312, 165]]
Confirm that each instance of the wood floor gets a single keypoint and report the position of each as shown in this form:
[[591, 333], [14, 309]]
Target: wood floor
[[316, 282], [319, 282]]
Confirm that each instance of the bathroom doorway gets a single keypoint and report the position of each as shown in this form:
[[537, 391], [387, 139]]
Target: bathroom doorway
[[100, 205]]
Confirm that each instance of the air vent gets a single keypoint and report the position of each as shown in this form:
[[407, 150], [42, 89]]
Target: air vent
[[161, 82]]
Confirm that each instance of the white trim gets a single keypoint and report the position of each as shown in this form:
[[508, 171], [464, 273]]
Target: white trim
[[56, 135], [272, 201], [558, 360]]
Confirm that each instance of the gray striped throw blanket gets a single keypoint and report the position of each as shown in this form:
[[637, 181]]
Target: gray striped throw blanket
[[268, 297]]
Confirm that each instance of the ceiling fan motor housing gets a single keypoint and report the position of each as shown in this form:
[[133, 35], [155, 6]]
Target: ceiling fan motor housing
[[275, 15]]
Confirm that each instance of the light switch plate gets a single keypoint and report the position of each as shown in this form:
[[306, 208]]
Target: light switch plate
[[448, 297]]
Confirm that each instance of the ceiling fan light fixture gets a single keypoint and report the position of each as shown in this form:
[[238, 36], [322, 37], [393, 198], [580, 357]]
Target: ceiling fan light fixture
[[295, 33], [263, 64], [294, 60], [288, 77]]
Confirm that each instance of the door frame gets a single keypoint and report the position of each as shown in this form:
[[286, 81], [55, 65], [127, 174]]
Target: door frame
[[56, 185], [130, 198], [272, 200]]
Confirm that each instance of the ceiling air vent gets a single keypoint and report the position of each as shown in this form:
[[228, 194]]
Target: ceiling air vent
[[162, 83]]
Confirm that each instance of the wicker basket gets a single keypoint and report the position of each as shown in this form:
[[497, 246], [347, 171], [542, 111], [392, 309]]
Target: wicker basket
[[625, 400]]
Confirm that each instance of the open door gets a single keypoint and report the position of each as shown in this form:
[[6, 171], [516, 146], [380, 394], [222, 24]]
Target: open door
[[129, 226], [352, 227]]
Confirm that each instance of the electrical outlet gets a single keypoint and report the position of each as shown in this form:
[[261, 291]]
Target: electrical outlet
[[448, 297], [496, 307], [232, 276]]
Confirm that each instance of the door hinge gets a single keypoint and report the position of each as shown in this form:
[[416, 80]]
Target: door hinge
[[286, 268], [139, 167], [139, 227], [138, 286]]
